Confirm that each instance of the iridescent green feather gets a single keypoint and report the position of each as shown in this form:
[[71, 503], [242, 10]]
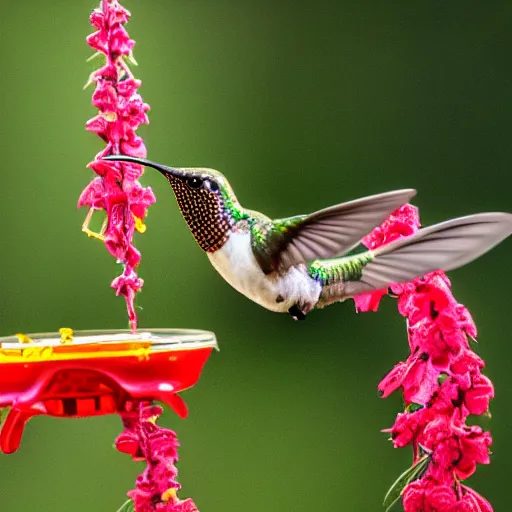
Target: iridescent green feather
[[232, 206], [328, 272], [269, 238]]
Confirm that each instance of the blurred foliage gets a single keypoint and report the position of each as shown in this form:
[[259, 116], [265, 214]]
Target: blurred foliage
[[301, 106]]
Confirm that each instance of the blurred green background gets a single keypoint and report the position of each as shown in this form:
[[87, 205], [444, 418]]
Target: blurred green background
[[301, 106]]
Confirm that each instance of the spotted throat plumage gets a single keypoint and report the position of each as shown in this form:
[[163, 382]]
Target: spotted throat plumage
[[298, 263]]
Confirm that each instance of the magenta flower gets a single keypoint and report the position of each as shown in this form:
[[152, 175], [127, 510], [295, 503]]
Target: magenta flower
[[442, 385], [117, 190], [156, 488]]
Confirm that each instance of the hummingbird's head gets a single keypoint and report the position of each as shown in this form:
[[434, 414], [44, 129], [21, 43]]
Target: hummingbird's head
[[204, 197]]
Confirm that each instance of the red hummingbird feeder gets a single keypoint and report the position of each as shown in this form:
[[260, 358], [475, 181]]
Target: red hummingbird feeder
[[92, 373]]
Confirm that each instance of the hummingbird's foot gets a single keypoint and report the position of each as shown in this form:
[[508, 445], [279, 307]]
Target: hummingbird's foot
[[297, 313]]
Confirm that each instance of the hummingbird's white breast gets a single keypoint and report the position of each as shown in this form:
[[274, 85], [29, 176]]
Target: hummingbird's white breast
[[236, 263]]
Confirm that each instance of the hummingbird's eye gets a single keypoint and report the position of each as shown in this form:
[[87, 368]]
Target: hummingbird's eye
[[212, 185], [195, 182]]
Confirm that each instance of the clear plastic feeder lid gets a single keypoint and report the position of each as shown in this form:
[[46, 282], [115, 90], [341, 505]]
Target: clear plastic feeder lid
[[156, 339]]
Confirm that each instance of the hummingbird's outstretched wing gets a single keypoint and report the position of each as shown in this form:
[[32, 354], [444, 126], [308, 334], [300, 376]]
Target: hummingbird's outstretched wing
[[446, 246], [323, 234]]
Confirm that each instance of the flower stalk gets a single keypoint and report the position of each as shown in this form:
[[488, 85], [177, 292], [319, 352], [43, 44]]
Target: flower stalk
[[442, 384], [121, 110], [117, 191]]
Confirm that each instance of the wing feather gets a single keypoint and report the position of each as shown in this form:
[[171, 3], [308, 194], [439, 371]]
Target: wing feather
[[327, 233], [444, 246]]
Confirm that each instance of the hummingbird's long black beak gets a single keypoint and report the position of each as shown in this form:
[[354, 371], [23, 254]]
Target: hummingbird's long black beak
[[147, 163]]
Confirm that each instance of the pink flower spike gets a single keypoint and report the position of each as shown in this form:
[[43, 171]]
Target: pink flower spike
[[403, 222], [156, 488], [121, 111], [393, 380], [441, 382], [477, 397], [413, 497], [473, 502], [369, 301]]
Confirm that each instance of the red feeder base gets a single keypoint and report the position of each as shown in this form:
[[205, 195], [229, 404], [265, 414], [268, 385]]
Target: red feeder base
[[92, 373]]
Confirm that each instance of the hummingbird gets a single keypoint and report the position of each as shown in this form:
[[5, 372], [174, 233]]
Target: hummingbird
[[296, 264]]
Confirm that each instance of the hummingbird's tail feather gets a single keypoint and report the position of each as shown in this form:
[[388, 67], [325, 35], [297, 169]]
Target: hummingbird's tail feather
[[445, 246]]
